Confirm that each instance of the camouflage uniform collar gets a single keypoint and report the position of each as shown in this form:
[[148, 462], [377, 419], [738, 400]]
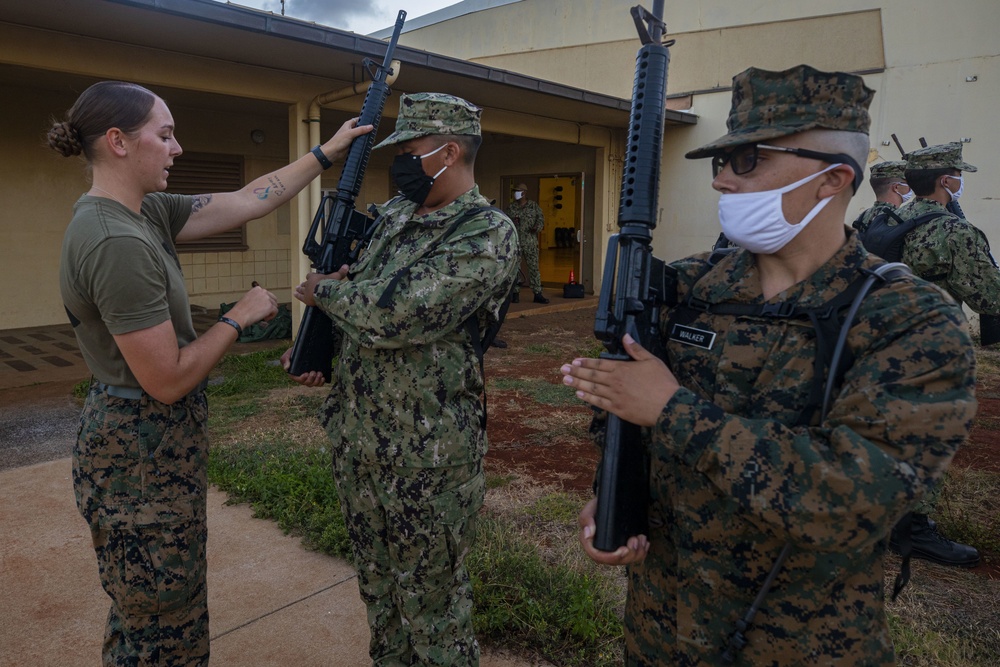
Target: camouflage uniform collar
[[929, 204], [403, 210], [736, 279]]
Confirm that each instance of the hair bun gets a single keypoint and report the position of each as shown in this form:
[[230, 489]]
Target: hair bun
[[65, 139]]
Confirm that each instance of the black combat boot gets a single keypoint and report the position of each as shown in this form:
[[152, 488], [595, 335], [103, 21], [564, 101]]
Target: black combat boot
[[540, 298], [515, 296], [927, 543]]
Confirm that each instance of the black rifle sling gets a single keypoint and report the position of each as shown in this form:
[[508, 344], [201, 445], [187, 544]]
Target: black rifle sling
[[471, 325], [831, 362]]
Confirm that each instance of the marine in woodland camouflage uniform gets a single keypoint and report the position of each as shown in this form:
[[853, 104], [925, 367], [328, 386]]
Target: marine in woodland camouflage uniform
[[405, 412], [734, 474], [139, 462], [949, 250], [139, 465], [530, 221], [884, 177]]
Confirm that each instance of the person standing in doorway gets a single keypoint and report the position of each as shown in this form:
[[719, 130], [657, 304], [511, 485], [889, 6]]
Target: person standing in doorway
[[527, 216]]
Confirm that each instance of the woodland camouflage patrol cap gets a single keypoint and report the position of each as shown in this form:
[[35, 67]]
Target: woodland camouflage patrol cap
[[423, 114], [767, 105], [888, 169], [942, 156]]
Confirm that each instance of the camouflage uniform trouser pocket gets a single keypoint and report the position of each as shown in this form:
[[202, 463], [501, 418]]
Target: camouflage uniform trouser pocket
[[139, 472], [152, 570]]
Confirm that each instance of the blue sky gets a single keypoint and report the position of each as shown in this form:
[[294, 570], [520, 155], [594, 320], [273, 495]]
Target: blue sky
[[361, 16]]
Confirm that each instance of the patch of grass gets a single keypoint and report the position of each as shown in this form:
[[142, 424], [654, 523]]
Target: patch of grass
[[568, 616], [80, 390], [293, 486], [498, 481], [547, 607], [944, 618], [539, 348], [968, 510], [536, 389], [239, 374], [557, 508], [593, 350]]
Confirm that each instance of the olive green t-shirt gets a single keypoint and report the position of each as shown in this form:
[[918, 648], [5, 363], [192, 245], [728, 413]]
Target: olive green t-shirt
[[119, 273]]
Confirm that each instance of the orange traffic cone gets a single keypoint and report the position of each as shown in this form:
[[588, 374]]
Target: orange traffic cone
[[572, 289]]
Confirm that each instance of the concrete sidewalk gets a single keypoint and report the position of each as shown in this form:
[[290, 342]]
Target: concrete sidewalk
[[271, 601]]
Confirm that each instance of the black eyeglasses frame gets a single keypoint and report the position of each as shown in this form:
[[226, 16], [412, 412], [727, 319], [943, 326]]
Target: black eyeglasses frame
[[720, 160]]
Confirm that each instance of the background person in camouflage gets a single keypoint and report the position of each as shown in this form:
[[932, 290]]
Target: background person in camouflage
[[405, 413], [738, 469], [948, 250], [527, 216], [891, 191], [955, 254], [139, 462]]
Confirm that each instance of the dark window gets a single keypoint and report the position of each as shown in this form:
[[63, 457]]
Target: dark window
[[205, 173]]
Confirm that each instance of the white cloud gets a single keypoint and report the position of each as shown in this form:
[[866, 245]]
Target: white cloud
[[360, 16]]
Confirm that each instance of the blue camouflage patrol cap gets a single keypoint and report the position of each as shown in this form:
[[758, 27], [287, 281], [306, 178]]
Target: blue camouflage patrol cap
[[942, 156], [888, 169], [423, 114], [767, 105]]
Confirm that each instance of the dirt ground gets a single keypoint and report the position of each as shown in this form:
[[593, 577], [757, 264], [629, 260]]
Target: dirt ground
[[549, 443], [520, 428]]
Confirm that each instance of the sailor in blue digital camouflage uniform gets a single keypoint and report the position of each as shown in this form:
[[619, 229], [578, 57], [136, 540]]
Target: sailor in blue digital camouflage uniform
[[955, 254], [405, 412], [739, 466], [891, 191], [948, 250]]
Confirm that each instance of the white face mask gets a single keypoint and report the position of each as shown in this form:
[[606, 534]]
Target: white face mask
[[518, 195], [755, 221], [905, 196], [961, 186]]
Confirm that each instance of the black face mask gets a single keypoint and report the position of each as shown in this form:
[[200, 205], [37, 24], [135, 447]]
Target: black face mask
[[408, 175]]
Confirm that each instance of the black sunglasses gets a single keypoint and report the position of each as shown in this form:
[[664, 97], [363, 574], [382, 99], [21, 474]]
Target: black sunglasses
[[743, 159]]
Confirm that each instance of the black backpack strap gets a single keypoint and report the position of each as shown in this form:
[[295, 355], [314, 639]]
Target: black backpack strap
[[904, 544], [390, 289], [842, 358], [480, 345]]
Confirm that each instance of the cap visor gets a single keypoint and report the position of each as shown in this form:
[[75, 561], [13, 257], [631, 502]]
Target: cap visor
[[734, 139]]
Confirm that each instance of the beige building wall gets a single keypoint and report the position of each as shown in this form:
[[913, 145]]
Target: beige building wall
[[41, 187], [935, 69]]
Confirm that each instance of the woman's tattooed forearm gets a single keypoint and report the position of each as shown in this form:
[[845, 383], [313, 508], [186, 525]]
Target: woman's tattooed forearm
[[276, 188], [199, 202]]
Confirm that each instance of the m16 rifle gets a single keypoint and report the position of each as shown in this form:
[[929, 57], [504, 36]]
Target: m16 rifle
[[344, 228], [635, 285]]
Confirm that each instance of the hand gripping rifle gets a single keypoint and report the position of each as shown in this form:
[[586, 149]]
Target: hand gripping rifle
[[640, 286], [344, 228]]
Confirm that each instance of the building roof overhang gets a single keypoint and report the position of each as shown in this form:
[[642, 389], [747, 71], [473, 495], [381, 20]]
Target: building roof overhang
[[235, 34]]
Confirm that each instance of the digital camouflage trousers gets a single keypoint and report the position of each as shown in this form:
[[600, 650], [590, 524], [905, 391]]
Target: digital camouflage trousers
[[411, 529], [140, 479]]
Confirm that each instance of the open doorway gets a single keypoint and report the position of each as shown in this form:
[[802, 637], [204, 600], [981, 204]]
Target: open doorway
[[560, 196]]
